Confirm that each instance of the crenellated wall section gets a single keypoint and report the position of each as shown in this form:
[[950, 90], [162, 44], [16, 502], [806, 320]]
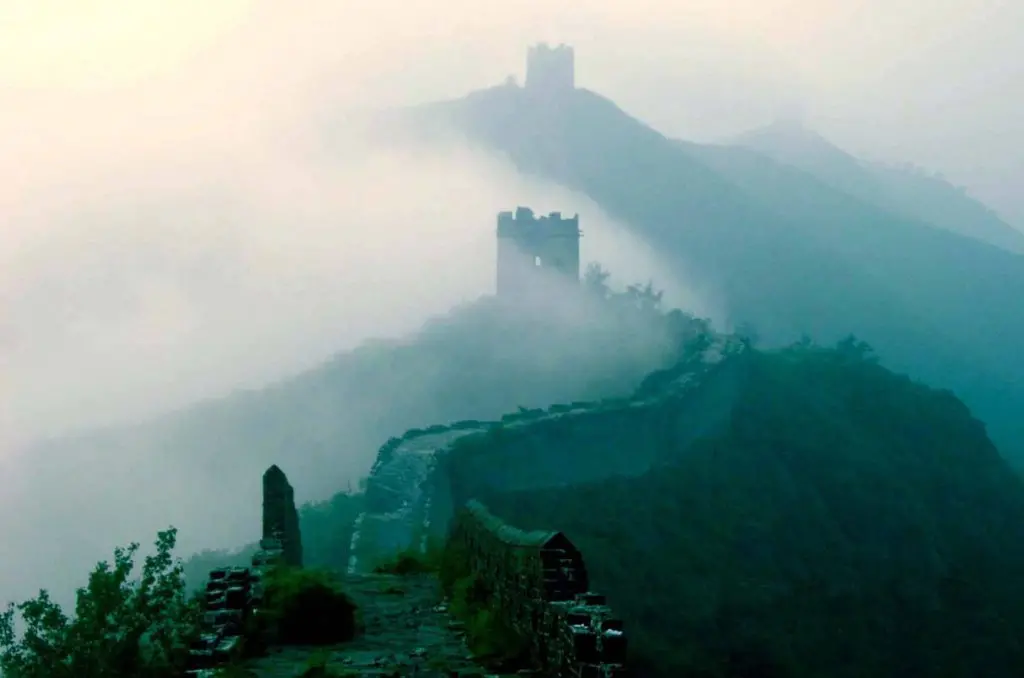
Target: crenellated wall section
[[537, 580], [537, 583]]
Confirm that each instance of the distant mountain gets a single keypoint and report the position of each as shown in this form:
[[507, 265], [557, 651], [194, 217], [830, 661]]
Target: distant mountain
[[792, 513], [786, 251], [907, 191]]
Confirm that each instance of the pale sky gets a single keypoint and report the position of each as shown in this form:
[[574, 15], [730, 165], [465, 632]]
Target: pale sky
[[938, 81], [159, 159]]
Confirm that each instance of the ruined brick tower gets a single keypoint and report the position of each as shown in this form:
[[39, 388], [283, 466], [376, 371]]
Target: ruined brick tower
[[532, 248], [550, 70]]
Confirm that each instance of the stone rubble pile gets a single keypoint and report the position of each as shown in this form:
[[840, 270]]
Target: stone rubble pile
[[234, 596], [596, 640], [228, 605]]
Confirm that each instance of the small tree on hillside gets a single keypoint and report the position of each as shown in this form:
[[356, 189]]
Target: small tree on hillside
[[125, 627], [852, 349], [595, 280], [644, 297]]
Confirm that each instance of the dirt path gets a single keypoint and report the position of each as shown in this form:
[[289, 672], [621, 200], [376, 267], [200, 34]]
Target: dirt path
[[406, 633]]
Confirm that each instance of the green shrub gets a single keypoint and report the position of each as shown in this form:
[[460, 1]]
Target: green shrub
[[405, 563], [489, 639], [413, 560], [306, 607], [124, 625]]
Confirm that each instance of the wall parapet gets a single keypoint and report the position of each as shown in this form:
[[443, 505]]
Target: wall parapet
[[538, 584]]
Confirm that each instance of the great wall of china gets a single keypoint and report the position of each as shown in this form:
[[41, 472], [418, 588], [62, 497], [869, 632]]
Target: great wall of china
[[536, 581]]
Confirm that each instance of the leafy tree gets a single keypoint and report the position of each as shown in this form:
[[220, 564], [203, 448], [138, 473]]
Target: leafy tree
[[643, 297], [123, 626], [595, 280], [854, 350]]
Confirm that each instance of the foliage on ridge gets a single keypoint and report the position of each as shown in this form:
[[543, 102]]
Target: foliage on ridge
[[843, 520]]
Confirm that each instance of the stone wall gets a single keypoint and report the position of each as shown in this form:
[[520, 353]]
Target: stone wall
[[538, 584]]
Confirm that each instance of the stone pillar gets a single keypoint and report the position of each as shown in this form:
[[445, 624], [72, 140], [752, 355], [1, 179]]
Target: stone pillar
[[280, 518]]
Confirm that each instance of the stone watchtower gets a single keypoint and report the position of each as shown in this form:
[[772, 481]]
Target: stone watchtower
[[531, 249], [550, 70]]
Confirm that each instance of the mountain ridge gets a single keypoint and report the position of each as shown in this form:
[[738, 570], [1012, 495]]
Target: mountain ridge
[[910, 192], [935, 303], [833, 493]]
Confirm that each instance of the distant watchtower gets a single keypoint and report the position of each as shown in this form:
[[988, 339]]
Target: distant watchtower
[[531, 248], [550, 69]]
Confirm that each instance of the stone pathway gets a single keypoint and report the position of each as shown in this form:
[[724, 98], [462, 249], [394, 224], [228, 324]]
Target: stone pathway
[[406, 633]]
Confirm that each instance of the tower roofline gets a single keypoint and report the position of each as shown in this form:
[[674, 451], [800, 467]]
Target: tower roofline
[[532, 248], [523, 222]]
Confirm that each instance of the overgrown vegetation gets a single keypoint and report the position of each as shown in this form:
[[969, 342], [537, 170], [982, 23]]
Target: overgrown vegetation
[[840, 521], [305, 606], [123, 625], [415, 560], [140, 626], [405, 563], [469, 598], [471, 602]]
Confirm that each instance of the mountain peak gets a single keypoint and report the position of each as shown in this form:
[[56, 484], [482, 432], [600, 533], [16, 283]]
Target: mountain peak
[[790, 140]]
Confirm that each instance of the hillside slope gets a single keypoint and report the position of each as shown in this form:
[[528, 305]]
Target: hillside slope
[[194, 467], [786, 252], [831, 518], [901, 190]]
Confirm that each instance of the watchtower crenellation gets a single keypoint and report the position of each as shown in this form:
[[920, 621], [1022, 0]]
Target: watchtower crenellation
[[529, 247], [550, 69]]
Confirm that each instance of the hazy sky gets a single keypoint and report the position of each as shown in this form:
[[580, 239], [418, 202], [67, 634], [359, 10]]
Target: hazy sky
[[171, 223]]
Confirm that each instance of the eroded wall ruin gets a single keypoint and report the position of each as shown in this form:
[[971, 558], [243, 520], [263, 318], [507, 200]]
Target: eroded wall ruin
[[280, 517]]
